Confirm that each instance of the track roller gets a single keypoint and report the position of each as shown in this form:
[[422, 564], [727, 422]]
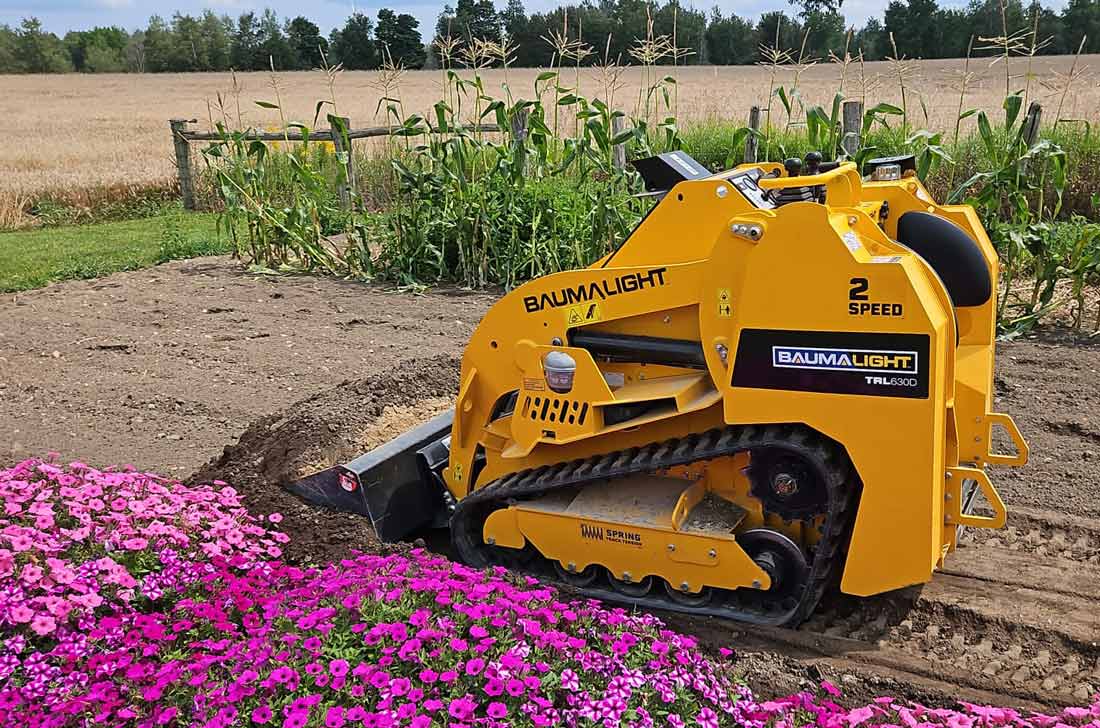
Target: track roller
[[580, 579], [688, 599], [634, 589]]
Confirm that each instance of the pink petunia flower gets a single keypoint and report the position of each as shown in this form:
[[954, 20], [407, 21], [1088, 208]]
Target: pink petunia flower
[[334, 717], [43, 624], [21, 614]]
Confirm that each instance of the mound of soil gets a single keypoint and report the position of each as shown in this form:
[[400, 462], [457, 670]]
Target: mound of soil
[[327, 428]]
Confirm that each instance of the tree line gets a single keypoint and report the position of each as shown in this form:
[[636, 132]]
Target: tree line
[[590, 32]]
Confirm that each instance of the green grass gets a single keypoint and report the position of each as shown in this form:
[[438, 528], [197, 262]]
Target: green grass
[[33, 258]]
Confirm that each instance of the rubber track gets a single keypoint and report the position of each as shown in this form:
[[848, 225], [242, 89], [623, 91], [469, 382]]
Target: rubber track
[[745, 605]]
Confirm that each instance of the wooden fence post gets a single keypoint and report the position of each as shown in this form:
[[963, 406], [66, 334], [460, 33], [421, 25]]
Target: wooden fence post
[[618, 151], [183, 161], [752, 141], [851, 127], [348, 189]]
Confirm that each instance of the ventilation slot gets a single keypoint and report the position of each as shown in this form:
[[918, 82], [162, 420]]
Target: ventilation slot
[[554, 409]]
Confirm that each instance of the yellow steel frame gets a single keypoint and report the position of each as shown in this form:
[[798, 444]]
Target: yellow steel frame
[[709, 284]]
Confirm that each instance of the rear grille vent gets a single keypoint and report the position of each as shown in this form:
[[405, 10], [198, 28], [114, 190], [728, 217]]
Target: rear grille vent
[[554, 409]]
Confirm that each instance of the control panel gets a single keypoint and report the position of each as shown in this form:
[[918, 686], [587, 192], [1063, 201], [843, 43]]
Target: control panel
[[747, 183]]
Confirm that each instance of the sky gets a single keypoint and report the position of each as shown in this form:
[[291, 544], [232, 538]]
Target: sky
[[60, 16]]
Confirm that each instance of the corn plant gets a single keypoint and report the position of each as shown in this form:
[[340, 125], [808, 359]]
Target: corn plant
[[482, 210], [278, 209], [1083, 270]]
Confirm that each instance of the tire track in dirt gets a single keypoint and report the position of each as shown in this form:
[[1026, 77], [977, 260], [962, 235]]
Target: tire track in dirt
[[1013, 626]]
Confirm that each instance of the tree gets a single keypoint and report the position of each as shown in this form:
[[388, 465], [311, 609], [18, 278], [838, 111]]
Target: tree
[[275, 51], [353, 45], [730, 40], [1050, 31], [398, 39], [686, 25], [827, 33], [1082, 18], [8, 50], [955, 33], [871, 40], [469, 19], [216, 34], [811, 7], [39, 51], [777, 24], [244, 50], [109, 40], [188, 52], [135, 53], [513, 20], [913, 23], [306, 43], [103, 59], [986, 21]]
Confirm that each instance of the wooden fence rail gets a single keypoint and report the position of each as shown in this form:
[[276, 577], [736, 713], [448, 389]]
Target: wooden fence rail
[[183, 137]]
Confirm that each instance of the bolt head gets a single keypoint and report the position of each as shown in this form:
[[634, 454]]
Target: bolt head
[[721, 191], [626, 577], [672, 547], [712, 553], [756, 584], [491, 541], [571, 568], [684, 586], [785, 484]]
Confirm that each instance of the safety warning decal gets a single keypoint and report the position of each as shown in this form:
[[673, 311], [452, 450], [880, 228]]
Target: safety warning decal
[[584, 314], [725, 303]]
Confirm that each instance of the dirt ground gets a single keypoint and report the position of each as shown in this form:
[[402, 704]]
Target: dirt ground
[[198, 369], [163, 367]]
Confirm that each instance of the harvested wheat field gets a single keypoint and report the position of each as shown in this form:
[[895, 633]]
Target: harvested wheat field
[[95, 131]]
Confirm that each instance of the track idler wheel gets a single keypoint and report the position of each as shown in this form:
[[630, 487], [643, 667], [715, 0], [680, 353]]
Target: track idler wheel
[[688, 599], [632, 589], [579, 579], [782, 560]]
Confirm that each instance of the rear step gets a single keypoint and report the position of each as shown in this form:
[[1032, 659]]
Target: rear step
[[398, 485]]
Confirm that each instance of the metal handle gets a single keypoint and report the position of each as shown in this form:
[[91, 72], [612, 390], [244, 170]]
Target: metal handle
[[1005, 421], [841, 184], [953, 497]]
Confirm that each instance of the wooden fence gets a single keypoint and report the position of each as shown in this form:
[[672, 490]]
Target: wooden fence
[[182, 137]]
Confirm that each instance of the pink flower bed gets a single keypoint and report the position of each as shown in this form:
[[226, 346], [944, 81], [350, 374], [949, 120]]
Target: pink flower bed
[[128, 599]]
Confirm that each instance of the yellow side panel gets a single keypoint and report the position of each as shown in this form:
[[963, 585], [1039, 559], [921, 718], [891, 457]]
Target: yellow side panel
[[793, 282]]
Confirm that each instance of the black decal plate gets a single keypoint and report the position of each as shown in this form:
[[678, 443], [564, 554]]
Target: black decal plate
[[840, 362]]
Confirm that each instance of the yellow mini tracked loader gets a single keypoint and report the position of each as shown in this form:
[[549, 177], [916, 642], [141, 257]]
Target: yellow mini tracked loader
[[779, 382]]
